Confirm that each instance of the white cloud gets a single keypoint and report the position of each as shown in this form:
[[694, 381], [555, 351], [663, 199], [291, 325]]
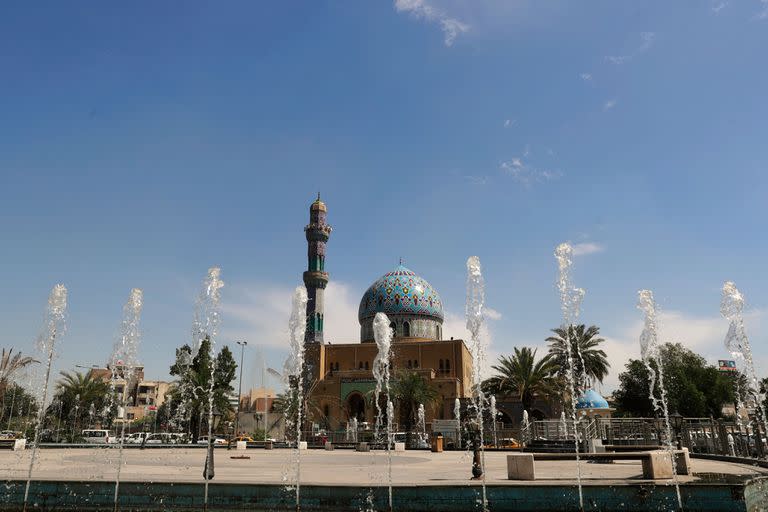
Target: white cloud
[[421, 9], [509, 122], [763, 14], [702, 334], [608, 105], [260, 313], [526, 174], [492, 314], [719, 6], [586, 76], [586, 248], [648, 39], [618, 60]]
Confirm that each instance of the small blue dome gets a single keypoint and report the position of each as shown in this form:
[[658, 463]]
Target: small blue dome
[[591, 399], [401, 292]]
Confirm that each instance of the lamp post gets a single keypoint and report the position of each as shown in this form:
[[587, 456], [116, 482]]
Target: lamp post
[[239, 392], [677, 423]]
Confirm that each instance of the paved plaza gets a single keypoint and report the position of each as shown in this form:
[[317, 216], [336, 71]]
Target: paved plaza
[[339, 467]]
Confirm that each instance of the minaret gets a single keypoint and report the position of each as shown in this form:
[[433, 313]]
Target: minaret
[[316, 278]]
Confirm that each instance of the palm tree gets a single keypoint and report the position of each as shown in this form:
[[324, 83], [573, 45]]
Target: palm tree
[[75, 393], [11, 363], [409, 390], [522, 377], [590, 363]]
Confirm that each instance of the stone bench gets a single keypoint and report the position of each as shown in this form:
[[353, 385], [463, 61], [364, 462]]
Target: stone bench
[[657, 464]]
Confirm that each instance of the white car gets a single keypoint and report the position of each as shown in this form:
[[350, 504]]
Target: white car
[[159, 438], [93, 436], [216, 440]]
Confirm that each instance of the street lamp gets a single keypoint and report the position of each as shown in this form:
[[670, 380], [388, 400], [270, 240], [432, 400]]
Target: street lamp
[[239, 392], [677, 423]]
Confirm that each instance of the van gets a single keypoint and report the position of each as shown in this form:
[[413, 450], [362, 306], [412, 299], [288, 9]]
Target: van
[[97, 436]]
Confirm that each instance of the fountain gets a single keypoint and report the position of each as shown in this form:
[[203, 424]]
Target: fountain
[[382, 333], [206, 326], [123, 363], [475, 324], [53, 327], [294, 375], [493, 412], [570, 302], [422, 425], [649, 351], [457, 415], [563, 426], [525, 428], [737, 343]]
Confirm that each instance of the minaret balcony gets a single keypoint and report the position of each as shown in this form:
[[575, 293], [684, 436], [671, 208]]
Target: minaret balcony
[[315, 278], [317, 232]]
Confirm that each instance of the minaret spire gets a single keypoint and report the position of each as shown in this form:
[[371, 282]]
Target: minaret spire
[[316, 278]]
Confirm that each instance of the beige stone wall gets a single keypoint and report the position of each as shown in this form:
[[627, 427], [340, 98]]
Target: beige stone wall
[[446, 365]]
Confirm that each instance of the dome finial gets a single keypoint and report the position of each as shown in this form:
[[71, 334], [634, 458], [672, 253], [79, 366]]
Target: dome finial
[[401, 260], [318, 196]]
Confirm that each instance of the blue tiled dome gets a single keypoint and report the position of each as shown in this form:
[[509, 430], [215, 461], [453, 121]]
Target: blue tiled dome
[[591, 399], [401, 292]]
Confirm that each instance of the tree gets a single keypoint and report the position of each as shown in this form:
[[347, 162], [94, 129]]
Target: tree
[[77, 396], [522, 377], [408, 391], [195, 382], [17, 409], [694, 388], [9, 365], [589, 361]]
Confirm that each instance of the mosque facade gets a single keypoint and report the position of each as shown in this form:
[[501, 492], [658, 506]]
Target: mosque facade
[[340, 375]]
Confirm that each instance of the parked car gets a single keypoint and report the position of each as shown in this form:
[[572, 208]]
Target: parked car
[[11, 434], [97, 436], [159, 438], [136, 437], [216, 440]]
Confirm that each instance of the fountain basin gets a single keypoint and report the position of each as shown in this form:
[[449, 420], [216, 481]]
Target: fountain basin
[[49, 495]]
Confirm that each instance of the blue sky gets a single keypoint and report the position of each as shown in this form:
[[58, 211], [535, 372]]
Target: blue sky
[[141, 144]]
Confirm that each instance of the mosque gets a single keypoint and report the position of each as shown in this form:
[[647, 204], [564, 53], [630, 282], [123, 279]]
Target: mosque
[[341, 375]]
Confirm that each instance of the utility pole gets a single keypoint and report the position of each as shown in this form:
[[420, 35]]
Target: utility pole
[[239, 390]]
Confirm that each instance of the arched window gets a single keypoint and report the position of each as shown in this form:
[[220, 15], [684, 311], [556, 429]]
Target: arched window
[[393, 326], [410, 364], [415, 363], [406, 329], [437, 332], [441, 366], [447, 366], [366, 365], [360, 367]]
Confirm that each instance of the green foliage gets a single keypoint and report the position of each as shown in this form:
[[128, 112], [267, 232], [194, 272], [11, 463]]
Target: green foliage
[[522, 377], [694, 388], [11, 364], [18, 408], [593, 363], [76, 395], [195, 381], [408, 390]]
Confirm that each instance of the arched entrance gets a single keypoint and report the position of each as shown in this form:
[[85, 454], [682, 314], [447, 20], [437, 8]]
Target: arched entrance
[[356, 406]]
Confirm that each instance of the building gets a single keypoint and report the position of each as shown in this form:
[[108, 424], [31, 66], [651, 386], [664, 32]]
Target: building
[[340, 375], [257, 400], [141, 396]]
